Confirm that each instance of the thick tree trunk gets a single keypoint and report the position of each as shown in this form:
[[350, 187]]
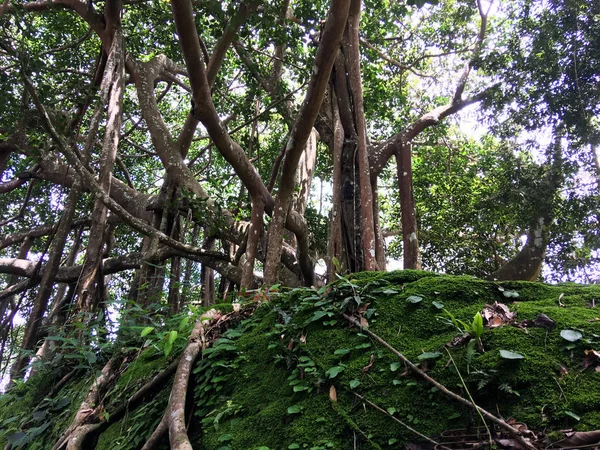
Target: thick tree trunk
[[352, 53], [410, 241], [527, 264]]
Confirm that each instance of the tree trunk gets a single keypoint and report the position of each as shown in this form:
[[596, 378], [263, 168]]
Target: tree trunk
[[114, 86], [255, 231], [410, 241], [40, 303], [527, 264]]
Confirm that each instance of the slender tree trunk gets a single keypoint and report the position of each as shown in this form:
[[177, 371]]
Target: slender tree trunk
[[62, 297], [410, 241], [208, 274], [46, 286], [379, 239], [8, 307], [114, 83], [335, 245], [189, 265], [255, 231]]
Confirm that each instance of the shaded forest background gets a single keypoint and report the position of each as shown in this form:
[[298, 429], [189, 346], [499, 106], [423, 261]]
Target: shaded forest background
[[156, 156]]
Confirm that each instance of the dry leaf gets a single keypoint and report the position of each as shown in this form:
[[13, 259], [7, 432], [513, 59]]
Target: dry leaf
[[544, 321], [333, 393], [368, 366], [363, 322], [580, 439]]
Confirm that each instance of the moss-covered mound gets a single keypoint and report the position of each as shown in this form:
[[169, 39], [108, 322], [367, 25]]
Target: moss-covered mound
[[296, 374]]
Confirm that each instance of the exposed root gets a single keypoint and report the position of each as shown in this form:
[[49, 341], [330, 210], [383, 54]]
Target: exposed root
[[89, 410], [178, 436]]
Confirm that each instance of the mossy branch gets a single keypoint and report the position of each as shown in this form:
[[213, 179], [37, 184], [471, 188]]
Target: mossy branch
[[516, 434]]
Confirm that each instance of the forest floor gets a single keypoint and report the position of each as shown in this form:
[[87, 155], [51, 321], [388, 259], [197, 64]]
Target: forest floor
[[375, 360]]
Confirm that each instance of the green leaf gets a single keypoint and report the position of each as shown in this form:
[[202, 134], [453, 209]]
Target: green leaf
[[342, 351], [510, 355], [91, 357], [146, 331], [167, 349], [183, 323], [510, 294], [477, 325], [354, 383], [319, 315], [573, 415], [293, 446], [225, 437], [335, 371], [301, 387], [172, 336], [571, 335], [294, 409], [415, 299], [391, 410], [429, 355], [438, 305], [394, 366]]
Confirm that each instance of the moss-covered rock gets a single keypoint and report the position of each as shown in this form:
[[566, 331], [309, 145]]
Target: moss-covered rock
[[297, 375]]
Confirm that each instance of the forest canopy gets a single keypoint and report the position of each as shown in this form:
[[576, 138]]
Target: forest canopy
[[158, 154]]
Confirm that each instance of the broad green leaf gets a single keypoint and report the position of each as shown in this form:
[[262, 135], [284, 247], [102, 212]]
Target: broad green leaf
[[571, 335], [342, 351], [510, 355], [172, 336], [294, 409], [334, 371], [429, 355], [415, 299]]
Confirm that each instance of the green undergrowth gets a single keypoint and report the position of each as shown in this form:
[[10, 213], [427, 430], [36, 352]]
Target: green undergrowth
[[296, 374]]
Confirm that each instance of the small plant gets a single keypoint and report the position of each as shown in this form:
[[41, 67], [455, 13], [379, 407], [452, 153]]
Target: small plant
[[475, 329]]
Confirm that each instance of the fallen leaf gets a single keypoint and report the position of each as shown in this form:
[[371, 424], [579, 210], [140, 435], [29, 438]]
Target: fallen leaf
[[592, 359], [368, 366], [544, 321], [579, 439], [363, 308], [363, 322], [333, 393]]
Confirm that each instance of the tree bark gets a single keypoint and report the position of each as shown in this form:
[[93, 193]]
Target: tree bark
[[410, 241]]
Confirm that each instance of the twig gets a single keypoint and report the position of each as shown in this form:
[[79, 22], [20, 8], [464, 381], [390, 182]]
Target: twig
[[512, 430], [408, 427]]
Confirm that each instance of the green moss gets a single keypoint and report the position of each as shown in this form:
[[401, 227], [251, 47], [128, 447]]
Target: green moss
[[287, 377]]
